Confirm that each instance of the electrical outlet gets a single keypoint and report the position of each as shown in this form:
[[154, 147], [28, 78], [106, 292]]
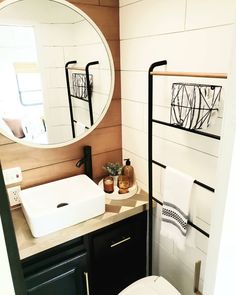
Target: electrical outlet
[[14, 195]]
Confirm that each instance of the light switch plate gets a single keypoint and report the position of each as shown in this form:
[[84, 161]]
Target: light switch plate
[[12, 175]]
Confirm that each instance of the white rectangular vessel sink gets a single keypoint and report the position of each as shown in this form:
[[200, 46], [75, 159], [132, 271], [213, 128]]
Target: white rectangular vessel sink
[[59, 204]]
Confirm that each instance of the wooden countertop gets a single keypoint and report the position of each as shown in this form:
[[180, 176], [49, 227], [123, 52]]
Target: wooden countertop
[[115, 211]]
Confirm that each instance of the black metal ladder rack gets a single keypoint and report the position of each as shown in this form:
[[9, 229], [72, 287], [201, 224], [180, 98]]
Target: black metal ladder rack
[[89, 91], [151, 120]]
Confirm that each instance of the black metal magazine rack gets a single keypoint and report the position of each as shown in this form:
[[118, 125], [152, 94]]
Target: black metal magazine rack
[[79, 86], [151, 161]]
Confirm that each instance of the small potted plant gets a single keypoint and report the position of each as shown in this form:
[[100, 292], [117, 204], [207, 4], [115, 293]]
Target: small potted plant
[[113, 169]]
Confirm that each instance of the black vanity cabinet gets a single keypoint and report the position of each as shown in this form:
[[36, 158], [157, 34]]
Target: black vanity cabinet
[[118, 255], [59, 271], [101, 263]]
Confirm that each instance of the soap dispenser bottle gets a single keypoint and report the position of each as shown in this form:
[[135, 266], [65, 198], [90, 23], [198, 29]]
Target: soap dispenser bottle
[[128, 170]]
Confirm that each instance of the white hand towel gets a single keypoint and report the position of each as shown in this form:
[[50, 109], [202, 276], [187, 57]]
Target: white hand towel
[[175, 209]]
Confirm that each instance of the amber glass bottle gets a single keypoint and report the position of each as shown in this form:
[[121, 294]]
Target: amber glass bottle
[[128, 170]]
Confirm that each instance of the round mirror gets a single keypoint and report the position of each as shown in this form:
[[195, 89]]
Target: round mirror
[[56, 71]]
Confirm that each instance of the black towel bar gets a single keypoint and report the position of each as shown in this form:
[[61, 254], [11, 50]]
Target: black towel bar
[[188, 130], [195, 181]]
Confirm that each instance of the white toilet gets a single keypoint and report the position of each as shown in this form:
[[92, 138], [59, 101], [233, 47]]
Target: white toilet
[[152, 285]]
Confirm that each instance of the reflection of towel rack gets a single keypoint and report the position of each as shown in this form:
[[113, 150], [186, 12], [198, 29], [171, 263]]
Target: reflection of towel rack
[[151, 120], [82, 89]]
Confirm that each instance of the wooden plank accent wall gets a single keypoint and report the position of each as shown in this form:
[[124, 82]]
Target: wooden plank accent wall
[[40, 165]]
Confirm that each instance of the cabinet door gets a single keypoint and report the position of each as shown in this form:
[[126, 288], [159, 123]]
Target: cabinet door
[[67, 277], [119, 256]]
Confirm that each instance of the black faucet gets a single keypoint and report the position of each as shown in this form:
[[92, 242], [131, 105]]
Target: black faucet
[[87, 161]]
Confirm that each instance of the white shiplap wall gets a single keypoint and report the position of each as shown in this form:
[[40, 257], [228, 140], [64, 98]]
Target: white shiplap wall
[[193, 36]]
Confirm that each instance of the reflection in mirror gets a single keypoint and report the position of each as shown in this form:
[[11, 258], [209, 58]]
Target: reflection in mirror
[[49, 96]]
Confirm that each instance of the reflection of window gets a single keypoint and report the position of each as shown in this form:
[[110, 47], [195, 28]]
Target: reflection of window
[[29, 84]]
